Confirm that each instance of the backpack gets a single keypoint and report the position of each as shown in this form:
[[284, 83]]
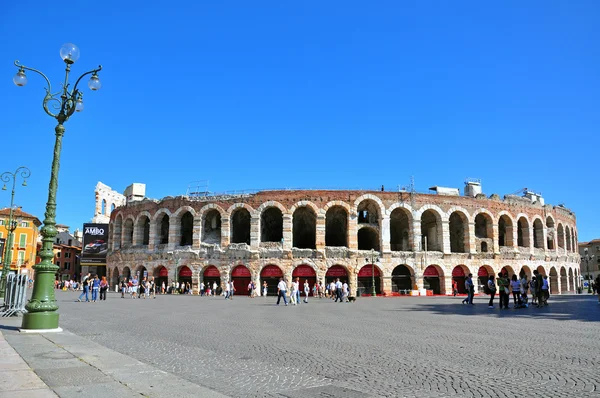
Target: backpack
[[486, 289]]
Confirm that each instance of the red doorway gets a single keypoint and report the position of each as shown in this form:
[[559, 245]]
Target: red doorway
[[270, 274], [305, 273], [337, 271], [458, 276], [431, 280], [210, 276], [241, 278], [365, 280]]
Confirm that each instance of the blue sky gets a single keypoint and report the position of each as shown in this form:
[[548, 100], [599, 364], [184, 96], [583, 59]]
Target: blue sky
[[336, 94]]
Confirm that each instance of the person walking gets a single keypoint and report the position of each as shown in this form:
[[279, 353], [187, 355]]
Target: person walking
[[598, 284], [103, 288], [492, 289], [546, 289], [515, 285], [227, 290], [503, 288], [306, 290], [231, 290], [201, 289], [295, 292], [281, 291], [338, 290], [162, 287], [85, 284], [539, 282], [265, 289], [524, 287], [95, 288], [470, 289], [214, 289], [454, 288]]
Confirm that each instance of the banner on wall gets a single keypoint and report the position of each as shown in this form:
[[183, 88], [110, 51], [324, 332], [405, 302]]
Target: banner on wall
[[95, 244]]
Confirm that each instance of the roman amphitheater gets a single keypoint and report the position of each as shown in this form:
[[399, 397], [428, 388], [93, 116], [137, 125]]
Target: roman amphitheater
[[403, 242]]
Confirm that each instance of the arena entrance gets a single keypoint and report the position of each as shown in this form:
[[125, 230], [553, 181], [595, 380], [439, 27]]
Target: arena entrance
[[459, 276], [305, 273], [432, 279], [185, 276], [337, 271], [241, 277], [402, 280], [210, 276], [270, 274], [161, 274], [483, 274], [365, 280]]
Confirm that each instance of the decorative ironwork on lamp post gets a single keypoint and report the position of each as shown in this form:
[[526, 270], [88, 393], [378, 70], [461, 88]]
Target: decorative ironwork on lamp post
[[372, 258], [7, 176], [60, 105]]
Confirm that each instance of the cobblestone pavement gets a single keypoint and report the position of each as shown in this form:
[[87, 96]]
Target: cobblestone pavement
[[388, 347]]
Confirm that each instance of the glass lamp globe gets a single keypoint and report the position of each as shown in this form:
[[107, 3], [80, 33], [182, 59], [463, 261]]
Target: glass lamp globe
[[94, 83], [20, 79], [69, 53], [79, 105]]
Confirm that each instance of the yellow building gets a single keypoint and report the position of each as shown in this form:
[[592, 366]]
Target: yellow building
[[25, 237]]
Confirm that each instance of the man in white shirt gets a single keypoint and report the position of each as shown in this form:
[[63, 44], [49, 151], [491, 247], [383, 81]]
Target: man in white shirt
[[338, 291], [226, 290], [281, 290], [345, 291], [201, 289]]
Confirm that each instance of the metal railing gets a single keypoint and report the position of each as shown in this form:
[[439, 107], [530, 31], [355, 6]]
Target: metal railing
[[15, 295]]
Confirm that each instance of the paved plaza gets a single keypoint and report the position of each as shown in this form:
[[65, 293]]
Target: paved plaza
[[394, 347]]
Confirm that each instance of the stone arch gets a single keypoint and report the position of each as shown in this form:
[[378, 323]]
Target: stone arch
[[162, 220], [505, 229], [572, 279], [126, 274], [568, 237], [139, 272], [103, 207], [459, 275], [483, 274], [509, 270], [271, 203], [403, 279], [564, 283], [142, 229], [241, 218], [560, 236], [369, 276], [431, 219], [368, 238], [523, 231], [400, 229], [115, 277], [554, 282], [458, 223], [369, 210], [211, 217], [128, 231], [304, 203], [550, 232], [336, 226], [117, 231], [538, 232], [334, 271], [304, 227], [434, 279], [271, 222], [525, 270], [542, 270], [484, 231]]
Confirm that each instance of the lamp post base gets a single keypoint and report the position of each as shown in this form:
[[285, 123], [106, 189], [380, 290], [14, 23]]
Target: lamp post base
[[57, 330], [36, 321]]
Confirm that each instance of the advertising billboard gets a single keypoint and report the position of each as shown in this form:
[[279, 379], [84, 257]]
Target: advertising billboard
[[95, 244]]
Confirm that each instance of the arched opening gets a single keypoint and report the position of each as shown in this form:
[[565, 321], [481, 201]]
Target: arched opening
[[336, 226], [553, 281], [400, 230], [184, 277], [163, 235], [550, 233], [538, 234], [368, 212], [541, 270], [459, 225], [241, 277], [505, 231], [568, 238], [368, 238], [560, 236], [142, 231], [126, 275], [483, 274], [210, 276], [431, 231], [128, 233], [161, 275], [186, 226], [433, 279], [271, 225], [525, 270], [305, 273], [211, 227], [369, 276], [459, 275], [523, 233], [402, 280], [304, 228], [563, 280], [572, 280], [334, 272], [140, 273], [484, 232], [507, 270], [114, 281], [270, 274], [240, 226], [112, 207], [117, 232], [103, 209]]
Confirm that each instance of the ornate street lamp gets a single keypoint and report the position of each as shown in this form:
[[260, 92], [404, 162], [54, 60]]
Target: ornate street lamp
[[61, 105], [587, 259], [7, 176], [372, 258]]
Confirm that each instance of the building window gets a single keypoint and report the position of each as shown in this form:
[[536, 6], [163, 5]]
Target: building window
[[67, 255], [24, 224], [67, 265], [58, 264], [22, 241], [1, 222], [21, 257]]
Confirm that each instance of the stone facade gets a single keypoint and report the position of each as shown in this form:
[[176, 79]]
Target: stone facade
[[415, 240], [107, 200]]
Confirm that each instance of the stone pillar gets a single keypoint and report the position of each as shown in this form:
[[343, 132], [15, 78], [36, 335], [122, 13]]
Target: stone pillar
[[446, 237], [447, 284], [384, 235], [288, 239], [352, 282], [152, 236], [496, 239], [195, 280], [569, 287], [134, 237], [352, 231], [470, 245], [225, 232], [255, 230], [515, 236], [197, 232], [387, 286], [320, 232], [174, 233], [531, 244], [419, 281], [416, 236], [98, 208]]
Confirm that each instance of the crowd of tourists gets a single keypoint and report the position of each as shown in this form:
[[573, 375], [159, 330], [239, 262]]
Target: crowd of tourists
[[336, 290], [538, 288], [97, 286]]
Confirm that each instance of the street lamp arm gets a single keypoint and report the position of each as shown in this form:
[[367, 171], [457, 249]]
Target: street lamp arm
[[49, 96], [81, 77]]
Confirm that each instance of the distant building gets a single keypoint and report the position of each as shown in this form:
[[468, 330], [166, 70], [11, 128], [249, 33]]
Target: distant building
[[591, 264], [67, 251], [24, 245], [108, 199]]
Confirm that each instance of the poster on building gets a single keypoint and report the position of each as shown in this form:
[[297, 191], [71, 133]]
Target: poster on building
[[95, 244]]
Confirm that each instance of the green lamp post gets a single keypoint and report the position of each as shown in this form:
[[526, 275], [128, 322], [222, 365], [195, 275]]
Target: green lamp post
[[372, 258], [7, 176], [42, 314]]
